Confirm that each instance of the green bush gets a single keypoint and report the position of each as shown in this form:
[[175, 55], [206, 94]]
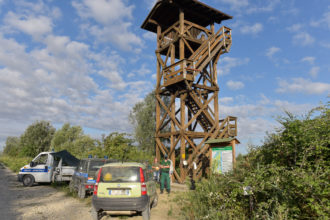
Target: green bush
[[288, 176], [14, 163]]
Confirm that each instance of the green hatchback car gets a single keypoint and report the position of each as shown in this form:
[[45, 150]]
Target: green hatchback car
[[124, 187]]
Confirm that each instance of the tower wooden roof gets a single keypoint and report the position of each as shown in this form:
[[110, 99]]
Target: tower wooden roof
[[166, 12]]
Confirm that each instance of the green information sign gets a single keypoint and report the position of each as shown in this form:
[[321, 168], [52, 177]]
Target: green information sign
[[222, 159]]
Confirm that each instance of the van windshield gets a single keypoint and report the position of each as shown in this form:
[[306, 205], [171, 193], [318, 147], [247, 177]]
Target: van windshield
[[95, 165], [120, 174]]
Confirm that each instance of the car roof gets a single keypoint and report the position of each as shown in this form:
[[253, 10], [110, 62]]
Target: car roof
[[125, 164], [96, 159]]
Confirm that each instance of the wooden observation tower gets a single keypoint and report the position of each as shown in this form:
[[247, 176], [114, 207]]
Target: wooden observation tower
[[188, 50]]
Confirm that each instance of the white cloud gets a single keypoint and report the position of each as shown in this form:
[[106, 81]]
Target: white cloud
[[227, 63], [303, 85], [251, 29], [150, 3], [325, 20], [53, 82], [314, 71], [226, 100], [271, 51], [263, 8], [34, 26], [264, 100], [144, 70], [308, 59], [293, 108], [104, 11], [254, 120], [235, 85], [113, 18], [303, 39], [325, 45], [235, 4], [150, 36], [295, 28]]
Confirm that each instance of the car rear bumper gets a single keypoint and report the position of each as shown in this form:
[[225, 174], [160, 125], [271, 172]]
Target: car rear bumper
[[120, 204]]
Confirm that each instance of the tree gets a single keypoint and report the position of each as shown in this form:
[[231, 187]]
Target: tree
[[36, 138], [73, 139], [117, 146], [143, 118], [12, 147]]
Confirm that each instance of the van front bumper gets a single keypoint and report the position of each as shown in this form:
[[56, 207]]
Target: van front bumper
[[120, 204], [20, 177]]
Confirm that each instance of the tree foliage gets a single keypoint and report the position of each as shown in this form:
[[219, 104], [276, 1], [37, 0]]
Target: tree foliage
[[42, 136], [36, 138], [73, 139], [12, 146], [288, 176], [143, 117]]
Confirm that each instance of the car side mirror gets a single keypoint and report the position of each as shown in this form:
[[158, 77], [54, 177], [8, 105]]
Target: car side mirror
[[33, 164]]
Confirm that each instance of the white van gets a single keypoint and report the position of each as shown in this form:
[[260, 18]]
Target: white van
[[48, 167]]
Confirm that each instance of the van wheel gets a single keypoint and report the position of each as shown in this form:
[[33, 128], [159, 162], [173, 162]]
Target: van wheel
[[146, 213], [28, 180], [97, 215], [82, 192]]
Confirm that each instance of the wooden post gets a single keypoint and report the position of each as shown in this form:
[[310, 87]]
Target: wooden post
[[212, 28], [183, 140], [233, 142], [172, 156], [157, 90], [181, 33], [216, 108]]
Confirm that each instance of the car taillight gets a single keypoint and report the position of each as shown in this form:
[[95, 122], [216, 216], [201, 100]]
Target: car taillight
[[143, 184], [89, 186], [97, 182]]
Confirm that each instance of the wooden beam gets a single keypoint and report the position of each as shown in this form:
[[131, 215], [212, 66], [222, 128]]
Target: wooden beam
[[233, 142], [183, 142]]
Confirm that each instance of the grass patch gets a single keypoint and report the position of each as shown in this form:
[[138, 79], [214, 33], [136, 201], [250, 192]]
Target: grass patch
[[170, 211], [64, 187], [14, 163]]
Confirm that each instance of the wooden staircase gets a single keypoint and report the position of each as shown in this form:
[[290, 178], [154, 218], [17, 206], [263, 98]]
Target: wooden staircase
[[187, 69], [218, 43]]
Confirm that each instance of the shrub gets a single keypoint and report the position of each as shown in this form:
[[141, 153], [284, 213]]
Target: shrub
[[288, 176], [15, 163]]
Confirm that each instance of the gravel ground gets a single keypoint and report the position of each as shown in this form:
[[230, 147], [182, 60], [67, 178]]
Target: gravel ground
[[41, 202], [37, 202]]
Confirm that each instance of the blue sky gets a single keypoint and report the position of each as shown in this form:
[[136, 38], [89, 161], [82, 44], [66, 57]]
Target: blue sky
[[88, 62]]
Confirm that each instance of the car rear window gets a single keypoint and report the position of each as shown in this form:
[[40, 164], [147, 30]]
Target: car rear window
[[120, 174]]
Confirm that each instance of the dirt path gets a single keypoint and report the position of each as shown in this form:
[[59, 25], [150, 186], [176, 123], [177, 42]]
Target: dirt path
[[42, 202], [165, 210]]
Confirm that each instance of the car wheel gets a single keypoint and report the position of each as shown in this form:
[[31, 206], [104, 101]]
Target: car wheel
[[146, 213], [155, 202], [28, 180], [82, 192], [97, 215]]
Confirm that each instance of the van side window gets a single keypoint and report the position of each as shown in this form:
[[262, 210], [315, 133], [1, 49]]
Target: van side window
[[42, 159]]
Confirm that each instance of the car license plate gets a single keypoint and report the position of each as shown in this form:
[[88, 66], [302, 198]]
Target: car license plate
[[122, 192]]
